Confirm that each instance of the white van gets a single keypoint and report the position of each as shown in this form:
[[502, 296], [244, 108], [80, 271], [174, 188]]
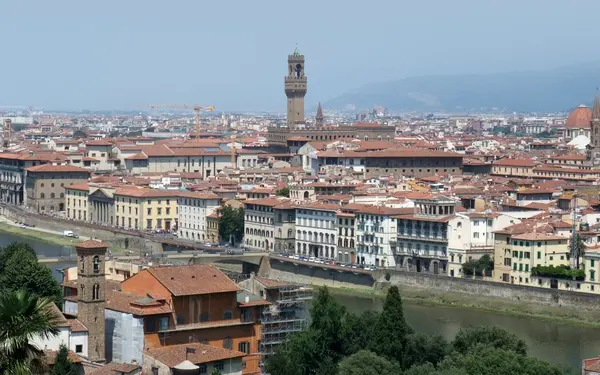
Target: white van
[[70, 233]]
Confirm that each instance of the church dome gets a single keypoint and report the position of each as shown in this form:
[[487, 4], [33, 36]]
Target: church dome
[[580, 118]]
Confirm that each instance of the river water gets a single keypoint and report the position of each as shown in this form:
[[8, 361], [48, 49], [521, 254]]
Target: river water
[[559, 343]]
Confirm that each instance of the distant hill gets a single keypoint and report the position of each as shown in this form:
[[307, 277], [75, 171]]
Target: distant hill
[[537, 91]]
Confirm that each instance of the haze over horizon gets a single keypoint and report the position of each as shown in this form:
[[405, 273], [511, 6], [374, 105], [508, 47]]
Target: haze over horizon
[[120, 55]]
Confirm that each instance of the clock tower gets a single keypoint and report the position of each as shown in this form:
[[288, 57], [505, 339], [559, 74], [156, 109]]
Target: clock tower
[[90, 296], [295, 89]]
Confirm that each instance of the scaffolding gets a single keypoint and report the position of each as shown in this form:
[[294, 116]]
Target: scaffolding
[[287, 314]]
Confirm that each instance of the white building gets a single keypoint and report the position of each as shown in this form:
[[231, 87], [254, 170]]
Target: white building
[[71, 333], [376, 231], [259, 223], [193, 208], [471, 235], [316, 230]]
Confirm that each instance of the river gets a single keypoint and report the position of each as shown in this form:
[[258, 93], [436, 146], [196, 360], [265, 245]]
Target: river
[[560, 343]]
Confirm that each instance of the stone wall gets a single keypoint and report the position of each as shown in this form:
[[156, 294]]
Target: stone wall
[[320, 276], [113, 238]]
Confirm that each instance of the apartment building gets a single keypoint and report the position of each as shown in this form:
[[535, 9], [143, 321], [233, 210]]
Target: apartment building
[[145, 209], [423, 236], [194, 209], [316, 230], [346, 226], [259, 224], [537, 249], [471, 236], [45, 185], [376, 233], [76, 201], [99, 156], [511, 247]]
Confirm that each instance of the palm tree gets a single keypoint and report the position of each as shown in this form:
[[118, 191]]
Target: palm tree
[[23, 317]]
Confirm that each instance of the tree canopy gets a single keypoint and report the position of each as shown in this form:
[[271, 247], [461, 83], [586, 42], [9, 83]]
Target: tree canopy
[[23, 316], [20, 269], [62, 363], [339, 342], [283, 192], [231, 224]]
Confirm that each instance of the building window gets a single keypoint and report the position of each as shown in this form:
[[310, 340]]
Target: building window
[[180, 319], [219, 366], [203, 369], [163, 323], [227, 343], [204, 317], [78, 348], [227, 315], [244, 347], [96, 292]]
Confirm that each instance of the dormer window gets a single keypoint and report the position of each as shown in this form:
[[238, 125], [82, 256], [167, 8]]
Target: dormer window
[[96, 264]]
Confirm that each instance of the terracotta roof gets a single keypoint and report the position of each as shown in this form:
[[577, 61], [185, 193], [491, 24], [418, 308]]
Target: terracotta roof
[[193, 279], [173, 355], [50, 356], [269, 283], [592, 365], [132, 304], [91, 244], [82, 186], [199, 195], [580, 118], [56, 168], [115, 368], [515, 162], [76, 325], [538, 237]]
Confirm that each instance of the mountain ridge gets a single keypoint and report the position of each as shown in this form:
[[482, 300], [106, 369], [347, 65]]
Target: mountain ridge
[[551, 90]]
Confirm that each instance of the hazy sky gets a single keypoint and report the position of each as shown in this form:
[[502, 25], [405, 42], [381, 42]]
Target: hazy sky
[[232, 53]]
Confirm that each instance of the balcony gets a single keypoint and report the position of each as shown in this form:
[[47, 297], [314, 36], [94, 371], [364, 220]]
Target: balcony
[[421, 254], [438, 237]]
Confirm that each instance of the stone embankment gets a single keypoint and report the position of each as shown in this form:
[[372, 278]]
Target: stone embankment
[[114, 237], [322, 275]]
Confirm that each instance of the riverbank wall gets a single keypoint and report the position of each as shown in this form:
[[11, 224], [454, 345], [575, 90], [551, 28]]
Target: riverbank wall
[[440, 285], [113, 238]]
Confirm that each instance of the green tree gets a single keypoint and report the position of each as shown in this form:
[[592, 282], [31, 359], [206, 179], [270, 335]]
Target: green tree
[[367, 363], [358, 331], [20, 269], [62, 363], [468, 338], [24, 316], [283, 192], [213, 372], [579, 248], [489, 360], [421, 349], [327, 316], [391, 330], [479, 267], [231, 224], [299, 355], [429, 369]]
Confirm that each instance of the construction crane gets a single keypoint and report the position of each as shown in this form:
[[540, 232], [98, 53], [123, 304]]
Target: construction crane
[[195, 107]]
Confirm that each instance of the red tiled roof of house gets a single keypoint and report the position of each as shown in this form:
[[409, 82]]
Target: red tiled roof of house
[[50, 357], [515, 162], [193, 279], [76, 325], [172, 355], [115, 368], [91, 244], [51, 168]]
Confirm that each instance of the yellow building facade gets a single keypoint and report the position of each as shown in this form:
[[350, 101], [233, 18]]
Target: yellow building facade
[[76, 202], [144, 209]]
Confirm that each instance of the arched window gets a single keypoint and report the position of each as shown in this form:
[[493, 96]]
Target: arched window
[[62, 195], [96, 264], [42, 184], [42, 195], [52, 195], [52, 184], [96, 292], [82, 262]]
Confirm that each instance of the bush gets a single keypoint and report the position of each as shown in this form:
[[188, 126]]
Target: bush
[[558, 272]]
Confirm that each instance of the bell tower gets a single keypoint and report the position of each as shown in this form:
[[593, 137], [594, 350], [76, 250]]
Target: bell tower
[[91, 256], [595, 132], [295, 89]]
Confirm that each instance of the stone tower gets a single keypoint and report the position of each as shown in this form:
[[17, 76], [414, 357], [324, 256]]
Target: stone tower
[[595, 132], [319, 117], [90, 296], [295, 89]]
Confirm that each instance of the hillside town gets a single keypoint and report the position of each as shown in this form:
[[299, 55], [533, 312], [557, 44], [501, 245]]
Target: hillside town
[[494, 198]]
